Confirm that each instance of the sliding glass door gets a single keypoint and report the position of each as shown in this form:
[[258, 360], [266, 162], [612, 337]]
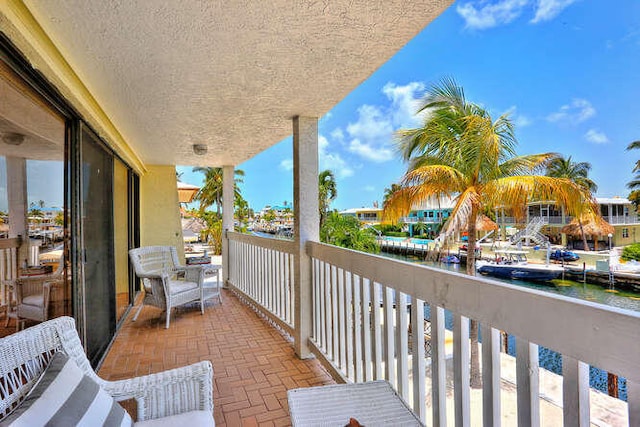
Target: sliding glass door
[[98, 289]]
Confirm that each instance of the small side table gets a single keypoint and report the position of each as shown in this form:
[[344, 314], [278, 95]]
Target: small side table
[[212, 290], [372, 403]]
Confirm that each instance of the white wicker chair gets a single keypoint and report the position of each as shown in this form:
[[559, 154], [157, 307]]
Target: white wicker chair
[[25, 355], [167, 284]]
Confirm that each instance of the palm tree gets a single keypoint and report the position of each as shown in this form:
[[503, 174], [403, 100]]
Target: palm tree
[[327, 193], [461, 151], [388, 192], [211, 191], [578, 172], [635, 182]]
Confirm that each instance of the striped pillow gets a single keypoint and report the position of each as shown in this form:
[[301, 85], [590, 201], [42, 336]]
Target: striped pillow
[[64, 396]]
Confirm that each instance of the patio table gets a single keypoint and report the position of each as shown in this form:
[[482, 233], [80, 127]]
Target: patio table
[[210, 289], [372, 403]]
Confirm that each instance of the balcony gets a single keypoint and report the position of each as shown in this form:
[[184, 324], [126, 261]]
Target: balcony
[[358, 334]]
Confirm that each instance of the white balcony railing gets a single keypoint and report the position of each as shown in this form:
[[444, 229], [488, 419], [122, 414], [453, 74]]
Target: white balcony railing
[[365, 305], [262, 271]]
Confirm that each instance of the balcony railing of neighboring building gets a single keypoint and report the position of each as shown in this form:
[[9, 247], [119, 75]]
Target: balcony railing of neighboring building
[[363, 305], [622, 220], [414, 220]]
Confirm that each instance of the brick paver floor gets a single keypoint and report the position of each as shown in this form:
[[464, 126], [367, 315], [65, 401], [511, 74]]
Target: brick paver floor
[[253, 364]]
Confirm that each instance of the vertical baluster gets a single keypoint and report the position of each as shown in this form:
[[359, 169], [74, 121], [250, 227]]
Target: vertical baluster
[[357, 329], [418, 362], [271, 285], [290, 288], [260, 261], [254, 273], [367, 306], [328, 309], [575, 392], [389, 347], [378, 372], [316, 303], [349, 324], [283, 285], [527, 382], [274, 282], [633, 401], [402, 353], [342, 320], [275, 286], [323, 313], [334, 314], [461, 353], [490, 376]]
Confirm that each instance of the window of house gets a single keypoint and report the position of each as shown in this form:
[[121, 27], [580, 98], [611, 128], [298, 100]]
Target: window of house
[[625, 233]]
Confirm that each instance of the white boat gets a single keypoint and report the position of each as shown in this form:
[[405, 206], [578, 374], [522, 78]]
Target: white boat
[[511, 264]]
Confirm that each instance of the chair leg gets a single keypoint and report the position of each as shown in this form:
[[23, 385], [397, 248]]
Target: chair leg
[[135, 317], [168, 318], [201, 305]]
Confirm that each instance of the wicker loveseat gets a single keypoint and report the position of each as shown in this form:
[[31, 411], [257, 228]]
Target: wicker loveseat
[[183, 393], [167, 283]]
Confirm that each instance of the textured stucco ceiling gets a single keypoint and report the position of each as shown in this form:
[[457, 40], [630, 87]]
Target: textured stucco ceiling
[[231, 75]]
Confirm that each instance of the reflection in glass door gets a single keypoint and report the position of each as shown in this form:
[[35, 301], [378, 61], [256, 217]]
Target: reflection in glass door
[[97, 289]]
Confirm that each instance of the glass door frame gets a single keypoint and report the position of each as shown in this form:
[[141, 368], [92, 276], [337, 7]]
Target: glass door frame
[[11, 56]]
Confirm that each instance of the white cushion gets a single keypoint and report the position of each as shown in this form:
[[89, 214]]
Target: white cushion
[[188, 419], [36, 300], [179, 286], [64, 396]]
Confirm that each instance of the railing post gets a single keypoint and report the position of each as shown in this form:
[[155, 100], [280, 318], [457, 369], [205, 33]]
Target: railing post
[[306, 225], [228, 194]]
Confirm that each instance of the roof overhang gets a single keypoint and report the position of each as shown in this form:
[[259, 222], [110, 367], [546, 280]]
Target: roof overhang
[[230, 75]]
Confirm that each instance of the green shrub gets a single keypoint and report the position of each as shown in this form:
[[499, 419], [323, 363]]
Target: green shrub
[[345, 231], [395, 233], [631, 252]]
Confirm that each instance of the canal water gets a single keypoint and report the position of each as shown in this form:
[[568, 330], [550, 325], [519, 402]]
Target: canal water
[[549, 359]]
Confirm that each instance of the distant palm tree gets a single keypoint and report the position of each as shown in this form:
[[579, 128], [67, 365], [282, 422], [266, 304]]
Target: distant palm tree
[[327, 193], [388, 192], [578, 172], [211, 191], [461, 151], [635, 182]]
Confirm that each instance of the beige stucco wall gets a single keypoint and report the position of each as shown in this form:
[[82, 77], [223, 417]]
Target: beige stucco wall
[[159, 208]]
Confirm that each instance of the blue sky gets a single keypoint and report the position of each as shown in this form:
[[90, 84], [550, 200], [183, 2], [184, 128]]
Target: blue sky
[[566, 70]]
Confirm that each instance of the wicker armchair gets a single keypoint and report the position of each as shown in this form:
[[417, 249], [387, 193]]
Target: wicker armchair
[[25, 355], [167, 284], [33, 296]]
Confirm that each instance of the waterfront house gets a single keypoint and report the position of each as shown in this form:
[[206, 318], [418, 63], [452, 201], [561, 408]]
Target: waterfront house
[[368, 216], [121, 92]]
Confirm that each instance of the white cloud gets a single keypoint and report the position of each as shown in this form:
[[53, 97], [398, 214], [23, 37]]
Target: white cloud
[[520, 120], [405, 101], [546, 10], [332, 161], [578, 111], [337, 134], [286, 164], [369, 188], [371, 135], [480, 15], [369, 152], [596, 137]]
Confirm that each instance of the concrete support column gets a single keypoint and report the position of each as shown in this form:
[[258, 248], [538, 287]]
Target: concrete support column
[[306, 224], [17, 197], [228, 198]]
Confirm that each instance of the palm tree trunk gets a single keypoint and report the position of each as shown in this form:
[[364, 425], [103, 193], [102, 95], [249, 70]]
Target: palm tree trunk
[[475, 379], [584, 237]]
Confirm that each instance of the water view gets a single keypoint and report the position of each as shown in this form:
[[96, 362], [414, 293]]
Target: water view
[[549, 359]]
